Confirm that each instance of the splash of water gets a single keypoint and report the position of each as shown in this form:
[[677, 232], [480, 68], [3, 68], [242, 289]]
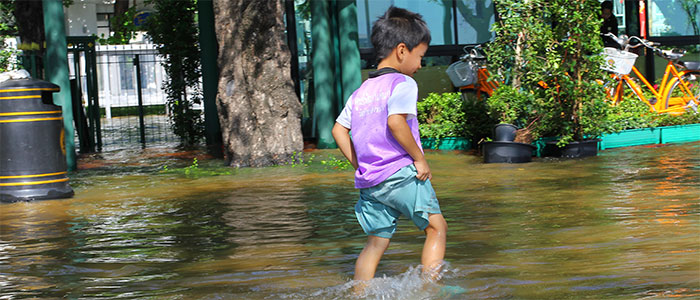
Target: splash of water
[[411, 284]]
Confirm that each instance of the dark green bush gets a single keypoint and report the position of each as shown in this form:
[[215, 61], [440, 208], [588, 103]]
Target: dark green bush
[[454, 115], [442, 115], [632, 113]]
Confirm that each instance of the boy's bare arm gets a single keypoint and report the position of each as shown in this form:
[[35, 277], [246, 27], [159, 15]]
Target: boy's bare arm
[[402, 133], [344, 142]]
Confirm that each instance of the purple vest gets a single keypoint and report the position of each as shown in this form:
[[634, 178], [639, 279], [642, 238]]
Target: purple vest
[[379, 155]]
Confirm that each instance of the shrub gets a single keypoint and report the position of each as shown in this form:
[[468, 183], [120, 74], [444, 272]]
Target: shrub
[[545, 54], [442, 115], [454, 115]]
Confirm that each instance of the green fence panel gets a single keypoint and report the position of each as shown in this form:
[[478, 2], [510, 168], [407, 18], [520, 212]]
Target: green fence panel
[[632, 137], [447, 143], [680, 133]]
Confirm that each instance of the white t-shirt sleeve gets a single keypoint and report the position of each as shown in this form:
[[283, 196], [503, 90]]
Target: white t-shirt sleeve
[[403, 99], [344, 117]]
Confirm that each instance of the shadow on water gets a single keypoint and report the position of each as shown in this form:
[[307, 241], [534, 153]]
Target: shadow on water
[[163, 225]]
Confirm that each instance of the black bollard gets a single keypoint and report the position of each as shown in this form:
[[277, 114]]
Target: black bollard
[[32, 149]]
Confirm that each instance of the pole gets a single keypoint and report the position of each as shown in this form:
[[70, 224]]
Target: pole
[[324, 77], [56, 68], [349, 48], [210, 77], [142, 125]]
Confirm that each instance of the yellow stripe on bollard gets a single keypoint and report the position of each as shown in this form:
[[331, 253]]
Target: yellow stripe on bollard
[[33, 175], [34, 182], [20, 97], [31, 120], [22, 113], [28, 90]]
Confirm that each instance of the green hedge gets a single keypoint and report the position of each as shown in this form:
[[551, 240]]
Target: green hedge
[[134, 110]]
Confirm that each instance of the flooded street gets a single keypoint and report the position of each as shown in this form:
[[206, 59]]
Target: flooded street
[[624, 224]]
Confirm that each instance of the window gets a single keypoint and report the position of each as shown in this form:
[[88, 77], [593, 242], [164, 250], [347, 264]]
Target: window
[[103, 30], [437, 14], [474, 21], [674, 17]]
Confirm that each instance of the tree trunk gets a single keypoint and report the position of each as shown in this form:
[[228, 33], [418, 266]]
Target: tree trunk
[[117, 24], [259, 111], [29, 17]]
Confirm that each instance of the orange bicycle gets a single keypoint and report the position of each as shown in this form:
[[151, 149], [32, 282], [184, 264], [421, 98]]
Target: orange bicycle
[[469, 73], [677, 92]]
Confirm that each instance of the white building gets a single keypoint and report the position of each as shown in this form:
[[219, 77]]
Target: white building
[[116, 74], [92, 17]]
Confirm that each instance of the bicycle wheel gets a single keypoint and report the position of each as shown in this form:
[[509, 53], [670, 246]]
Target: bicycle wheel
[[678, 96]]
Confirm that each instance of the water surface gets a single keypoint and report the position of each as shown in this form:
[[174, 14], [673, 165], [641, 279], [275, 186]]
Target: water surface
[[621, 225]]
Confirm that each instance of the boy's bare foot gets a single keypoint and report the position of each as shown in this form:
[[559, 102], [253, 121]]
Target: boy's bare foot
[[359, 288], [432, 273]]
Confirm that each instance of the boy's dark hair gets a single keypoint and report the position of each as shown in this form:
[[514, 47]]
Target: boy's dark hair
[[397, 26]]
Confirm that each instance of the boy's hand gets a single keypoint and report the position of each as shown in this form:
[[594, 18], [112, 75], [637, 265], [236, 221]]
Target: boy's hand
[[423, 170], [344, 142], [402, 133]]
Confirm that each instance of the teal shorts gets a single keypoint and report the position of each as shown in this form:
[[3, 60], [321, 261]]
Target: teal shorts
[[402, 193]]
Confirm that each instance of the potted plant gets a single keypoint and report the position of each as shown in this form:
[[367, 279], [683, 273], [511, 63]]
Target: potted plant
[[545, 51], [514, 101], [447, 121], [507, 104]]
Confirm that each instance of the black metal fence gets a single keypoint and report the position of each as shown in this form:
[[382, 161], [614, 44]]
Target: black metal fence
[[132, 109]]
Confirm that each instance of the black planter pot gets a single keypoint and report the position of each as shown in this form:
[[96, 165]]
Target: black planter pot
[[504, 132], [507, 152], [574, 149]]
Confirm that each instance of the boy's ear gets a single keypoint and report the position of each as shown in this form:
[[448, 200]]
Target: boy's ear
[[401, 51]]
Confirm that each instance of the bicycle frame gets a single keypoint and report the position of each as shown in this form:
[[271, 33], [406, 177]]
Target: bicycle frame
[[482, 85], [670, 73]]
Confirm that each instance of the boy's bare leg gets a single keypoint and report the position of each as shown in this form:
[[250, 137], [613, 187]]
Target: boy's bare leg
[[434, 247], [367, 262]]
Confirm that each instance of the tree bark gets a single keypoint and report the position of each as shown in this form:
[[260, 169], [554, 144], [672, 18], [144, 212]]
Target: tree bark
[[259, 111], [117, 23], [29, 17]]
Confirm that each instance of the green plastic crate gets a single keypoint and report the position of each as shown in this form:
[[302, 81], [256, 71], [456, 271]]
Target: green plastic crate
[[447, 143], [680, 133], [631, 137]]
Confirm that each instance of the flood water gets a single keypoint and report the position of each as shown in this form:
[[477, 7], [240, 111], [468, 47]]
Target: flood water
[[623, 225]]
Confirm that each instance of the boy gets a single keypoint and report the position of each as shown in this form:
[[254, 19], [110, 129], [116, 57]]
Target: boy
[[385, 150]]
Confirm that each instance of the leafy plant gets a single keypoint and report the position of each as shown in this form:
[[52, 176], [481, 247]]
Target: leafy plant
[[8, 58], [632, 113], [172, 27], [479, 123], [298, 159], [453, 115], [8, 24], [545, 53], [194, 170], [508, 105], [442, 115], [337, 164], [124, 28]]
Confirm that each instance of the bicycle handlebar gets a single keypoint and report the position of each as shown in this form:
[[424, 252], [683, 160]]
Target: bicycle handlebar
[[474, 53], [625, 42]]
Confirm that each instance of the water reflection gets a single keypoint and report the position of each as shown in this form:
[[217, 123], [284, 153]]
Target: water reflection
[[31, 246], [622, 225]]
